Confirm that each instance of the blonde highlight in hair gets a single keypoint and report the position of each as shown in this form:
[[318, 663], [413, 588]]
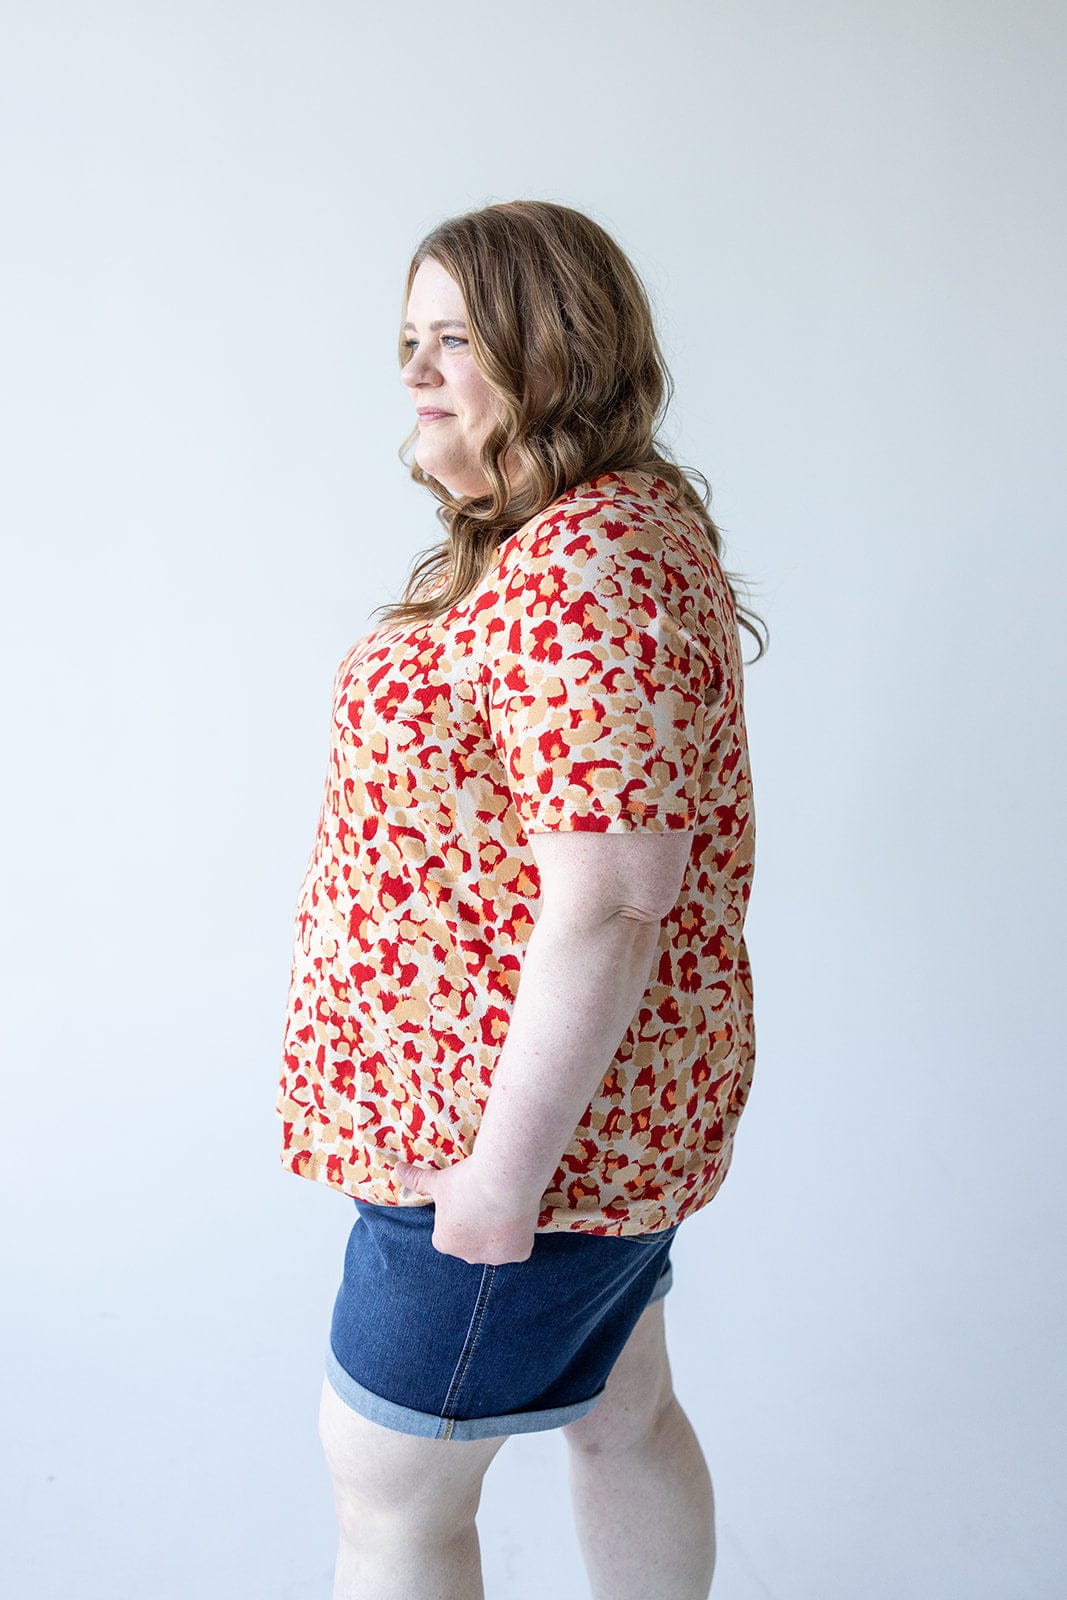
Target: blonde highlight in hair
[[561, 327]]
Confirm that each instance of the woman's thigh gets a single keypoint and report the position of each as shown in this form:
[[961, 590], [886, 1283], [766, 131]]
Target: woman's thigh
[[638, 1388], [378, 1468]]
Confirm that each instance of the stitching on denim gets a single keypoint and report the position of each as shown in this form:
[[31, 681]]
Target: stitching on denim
[[471, 1339]]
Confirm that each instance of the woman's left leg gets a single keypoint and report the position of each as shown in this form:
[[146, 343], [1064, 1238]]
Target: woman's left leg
[[406, 1508], [643, 1499]]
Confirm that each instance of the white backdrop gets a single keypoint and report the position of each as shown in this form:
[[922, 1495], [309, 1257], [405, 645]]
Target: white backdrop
[[851, 219]]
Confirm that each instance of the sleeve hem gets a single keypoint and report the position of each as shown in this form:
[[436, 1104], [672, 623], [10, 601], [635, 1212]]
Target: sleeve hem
[[599, 820]]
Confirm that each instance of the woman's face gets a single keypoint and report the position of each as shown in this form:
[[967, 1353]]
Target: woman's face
[[456, 406]]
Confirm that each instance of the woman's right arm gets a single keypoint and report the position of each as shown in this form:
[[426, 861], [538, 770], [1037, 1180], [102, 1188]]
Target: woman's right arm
[[586, 968]]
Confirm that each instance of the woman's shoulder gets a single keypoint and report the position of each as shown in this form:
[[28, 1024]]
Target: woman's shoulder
[[633, 492], [612, 514]]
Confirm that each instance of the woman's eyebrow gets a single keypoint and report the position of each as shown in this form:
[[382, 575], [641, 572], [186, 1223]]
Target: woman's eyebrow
[[435, 327]]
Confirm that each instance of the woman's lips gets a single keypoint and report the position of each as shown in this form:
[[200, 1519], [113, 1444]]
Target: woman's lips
[[433, 416]]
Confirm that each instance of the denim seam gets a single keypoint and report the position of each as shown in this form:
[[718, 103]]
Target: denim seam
[[469, 1342]]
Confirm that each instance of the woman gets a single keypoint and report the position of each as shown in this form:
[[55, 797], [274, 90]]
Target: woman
[[519, 1033]]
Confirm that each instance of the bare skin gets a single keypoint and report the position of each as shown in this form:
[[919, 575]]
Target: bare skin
[[406, 1506], [644, 1507]]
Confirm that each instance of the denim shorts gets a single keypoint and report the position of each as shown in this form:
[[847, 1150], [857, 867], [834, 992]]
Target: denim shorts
[[428, 1344]]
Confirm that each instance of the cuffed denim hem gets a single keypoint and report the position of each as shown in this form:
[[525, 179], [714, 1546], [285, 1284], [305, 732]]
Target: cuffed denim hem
[[403, 1420]]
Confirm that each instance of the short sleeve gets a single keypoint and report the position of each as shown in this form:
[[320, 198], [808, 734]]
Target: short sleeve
[[601, 677]]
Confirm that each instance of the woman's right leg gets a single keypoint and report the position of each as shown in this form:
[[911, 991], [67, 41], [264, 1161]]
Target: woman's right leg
[[643, 1501], [405, 1508]]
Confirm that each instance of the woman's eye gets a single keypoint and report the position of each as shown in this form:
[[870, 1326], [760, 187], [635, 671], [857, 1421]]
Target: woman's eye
[[449, 339]]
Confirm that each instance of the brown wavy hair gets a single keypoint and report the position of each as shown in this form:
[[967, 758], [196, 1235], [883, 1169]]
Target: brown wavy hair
[[561, 327]]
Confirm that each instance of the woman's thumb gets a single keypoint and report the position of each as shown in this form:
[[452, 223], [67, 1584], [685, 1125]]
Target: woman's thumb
[[415, 1178]]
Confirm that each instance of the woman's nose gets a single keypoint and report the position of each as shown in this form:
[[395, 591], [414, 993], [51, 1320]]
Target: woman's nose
[[417, 369]]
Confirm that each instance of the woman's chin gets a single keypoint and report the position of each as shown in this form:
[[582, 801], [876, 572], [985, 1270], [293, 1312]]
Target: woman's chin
[[460, 485], [434, 467]]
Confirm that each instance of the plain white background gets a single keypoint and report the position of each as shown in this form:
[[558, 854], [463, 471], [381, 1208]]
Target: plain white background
[[851, 219]]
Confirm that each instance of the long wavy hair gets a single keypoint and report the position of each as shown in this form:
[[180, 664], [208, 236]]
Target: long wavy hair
[[561, 327]]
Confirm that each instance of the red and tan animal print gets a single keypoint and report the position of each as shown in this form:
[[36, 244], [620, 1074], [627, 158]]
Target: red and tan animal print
[[592, 681]]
